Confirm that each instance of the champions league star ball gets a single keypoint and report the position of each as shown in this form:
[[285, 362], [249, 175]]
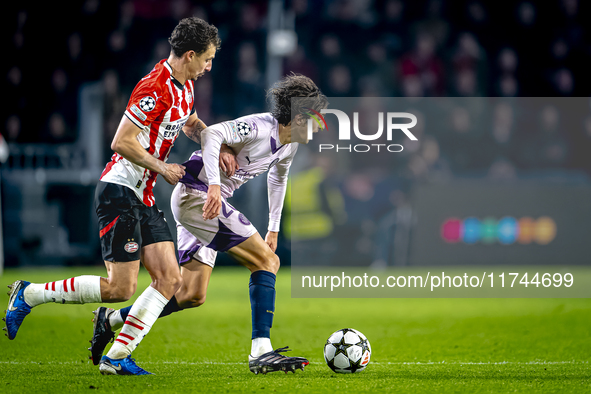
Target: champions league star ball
[[147, 103], [347, 351], [243, 128]]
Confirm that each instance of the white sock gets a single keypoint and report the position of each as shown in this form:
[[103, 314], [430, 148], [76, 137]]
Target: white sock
[[115, 320], [260, 346], [142, 316], [77, 290]]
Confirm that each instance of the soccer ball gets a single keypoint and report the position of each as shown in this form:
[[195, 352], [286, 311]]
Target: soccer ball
[[347, 351]]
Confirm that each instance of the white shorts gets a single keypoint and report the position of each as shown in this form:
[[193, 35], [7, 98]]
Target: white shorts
[[201, 239]]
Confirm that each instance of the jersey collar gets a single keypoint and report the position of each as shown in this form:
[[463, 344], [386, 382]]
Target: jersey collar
[[275, 141], [173, 79]]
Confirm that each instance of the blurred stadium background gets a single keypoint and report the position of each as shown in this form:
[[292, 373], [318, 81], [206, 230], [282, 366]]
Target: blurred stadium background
[[69, 72]]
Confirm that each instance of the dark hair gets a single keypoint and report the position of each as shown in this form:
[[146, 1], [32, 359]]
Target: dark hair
[[193, 34], [284, 109]]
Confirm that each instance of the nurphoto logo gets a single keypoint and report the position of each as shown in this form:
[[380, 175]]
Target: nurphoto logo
[[392, 125]]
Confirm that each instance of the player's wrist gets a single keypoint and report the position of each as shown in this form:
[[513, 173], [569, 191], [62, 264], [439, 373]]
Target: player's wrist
[[214, 192], [163, 167], [274, 225], [226, 149], [147, 161]]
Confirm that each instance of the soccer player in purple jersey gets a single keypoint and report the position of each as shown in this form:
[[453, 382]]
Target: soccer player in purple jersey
[[207, 223]]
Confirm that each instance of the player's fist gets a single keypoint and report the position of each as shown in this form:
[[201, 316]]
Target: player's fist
[[173, 173], [213, 204]]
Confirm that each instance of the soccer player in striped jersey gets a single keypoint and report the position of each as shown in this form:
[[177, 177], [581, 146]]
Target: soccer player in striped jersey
[[208, 224], [131, 226]]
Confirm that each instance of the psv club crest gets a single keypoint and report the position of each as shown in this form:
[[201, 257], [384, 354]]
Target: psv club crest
[[131, 247]]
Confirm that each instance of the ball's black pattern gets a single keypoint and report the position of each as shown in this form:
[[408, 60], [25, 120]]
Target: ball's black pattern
[[341, 347]]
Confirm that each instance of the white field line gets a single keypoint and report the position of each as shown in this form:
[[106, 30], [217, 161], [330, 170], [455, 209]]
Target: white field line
[[538, 362], [417, 363], [89, 362]]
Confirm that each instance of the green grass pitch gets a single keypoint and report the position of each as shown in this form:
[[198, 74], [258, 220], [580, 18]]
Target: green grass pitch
[[419, 345]]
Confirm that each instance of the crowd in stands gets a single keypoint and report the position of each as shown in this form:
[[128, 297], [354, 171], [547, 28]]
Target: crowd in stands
[[350, 48], [381, 48]]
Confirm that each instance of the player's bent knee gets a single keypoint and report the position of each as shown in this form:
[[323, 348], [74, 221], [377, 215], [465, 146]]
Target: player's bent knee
[[122, 294], [119, 291], [197, 301], [275, 264], [178, 282], [175, 281], [125, 293], [168, 284], [193, 302], [271, 263]]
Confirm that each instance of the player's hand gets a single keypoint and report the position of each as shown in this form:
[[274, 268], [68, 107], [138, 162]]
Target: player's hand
[[213, 204], [228, 162], [271, 240], [173, 173]]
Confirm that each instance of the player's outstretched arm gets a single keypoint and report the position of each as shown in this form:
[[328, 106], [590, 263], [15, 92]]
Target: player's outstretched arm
[[276, 188], [212, 141], [193, 129], [126, 144], [213, 204]]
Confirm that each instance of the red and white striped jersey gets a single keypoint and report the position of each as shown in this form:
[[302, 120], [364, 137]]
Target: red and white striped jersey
[[160, 106]]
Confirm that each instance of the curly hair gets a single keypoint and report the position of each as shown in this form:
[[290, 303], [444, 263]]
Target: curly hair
[[283, 108], [193, 34]]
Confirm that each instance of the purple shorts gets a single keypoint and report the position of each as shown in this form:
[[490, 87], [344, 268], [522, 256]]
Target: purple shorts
[[201, 239]]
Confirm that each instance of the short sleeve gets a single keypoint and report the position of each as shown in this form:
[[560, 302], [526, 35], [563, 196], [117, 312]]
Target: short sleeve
[[146, 103]]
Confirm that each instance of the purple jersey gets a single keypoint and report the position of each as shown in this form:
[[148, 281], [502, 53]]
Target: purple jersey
[[255, 139]]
